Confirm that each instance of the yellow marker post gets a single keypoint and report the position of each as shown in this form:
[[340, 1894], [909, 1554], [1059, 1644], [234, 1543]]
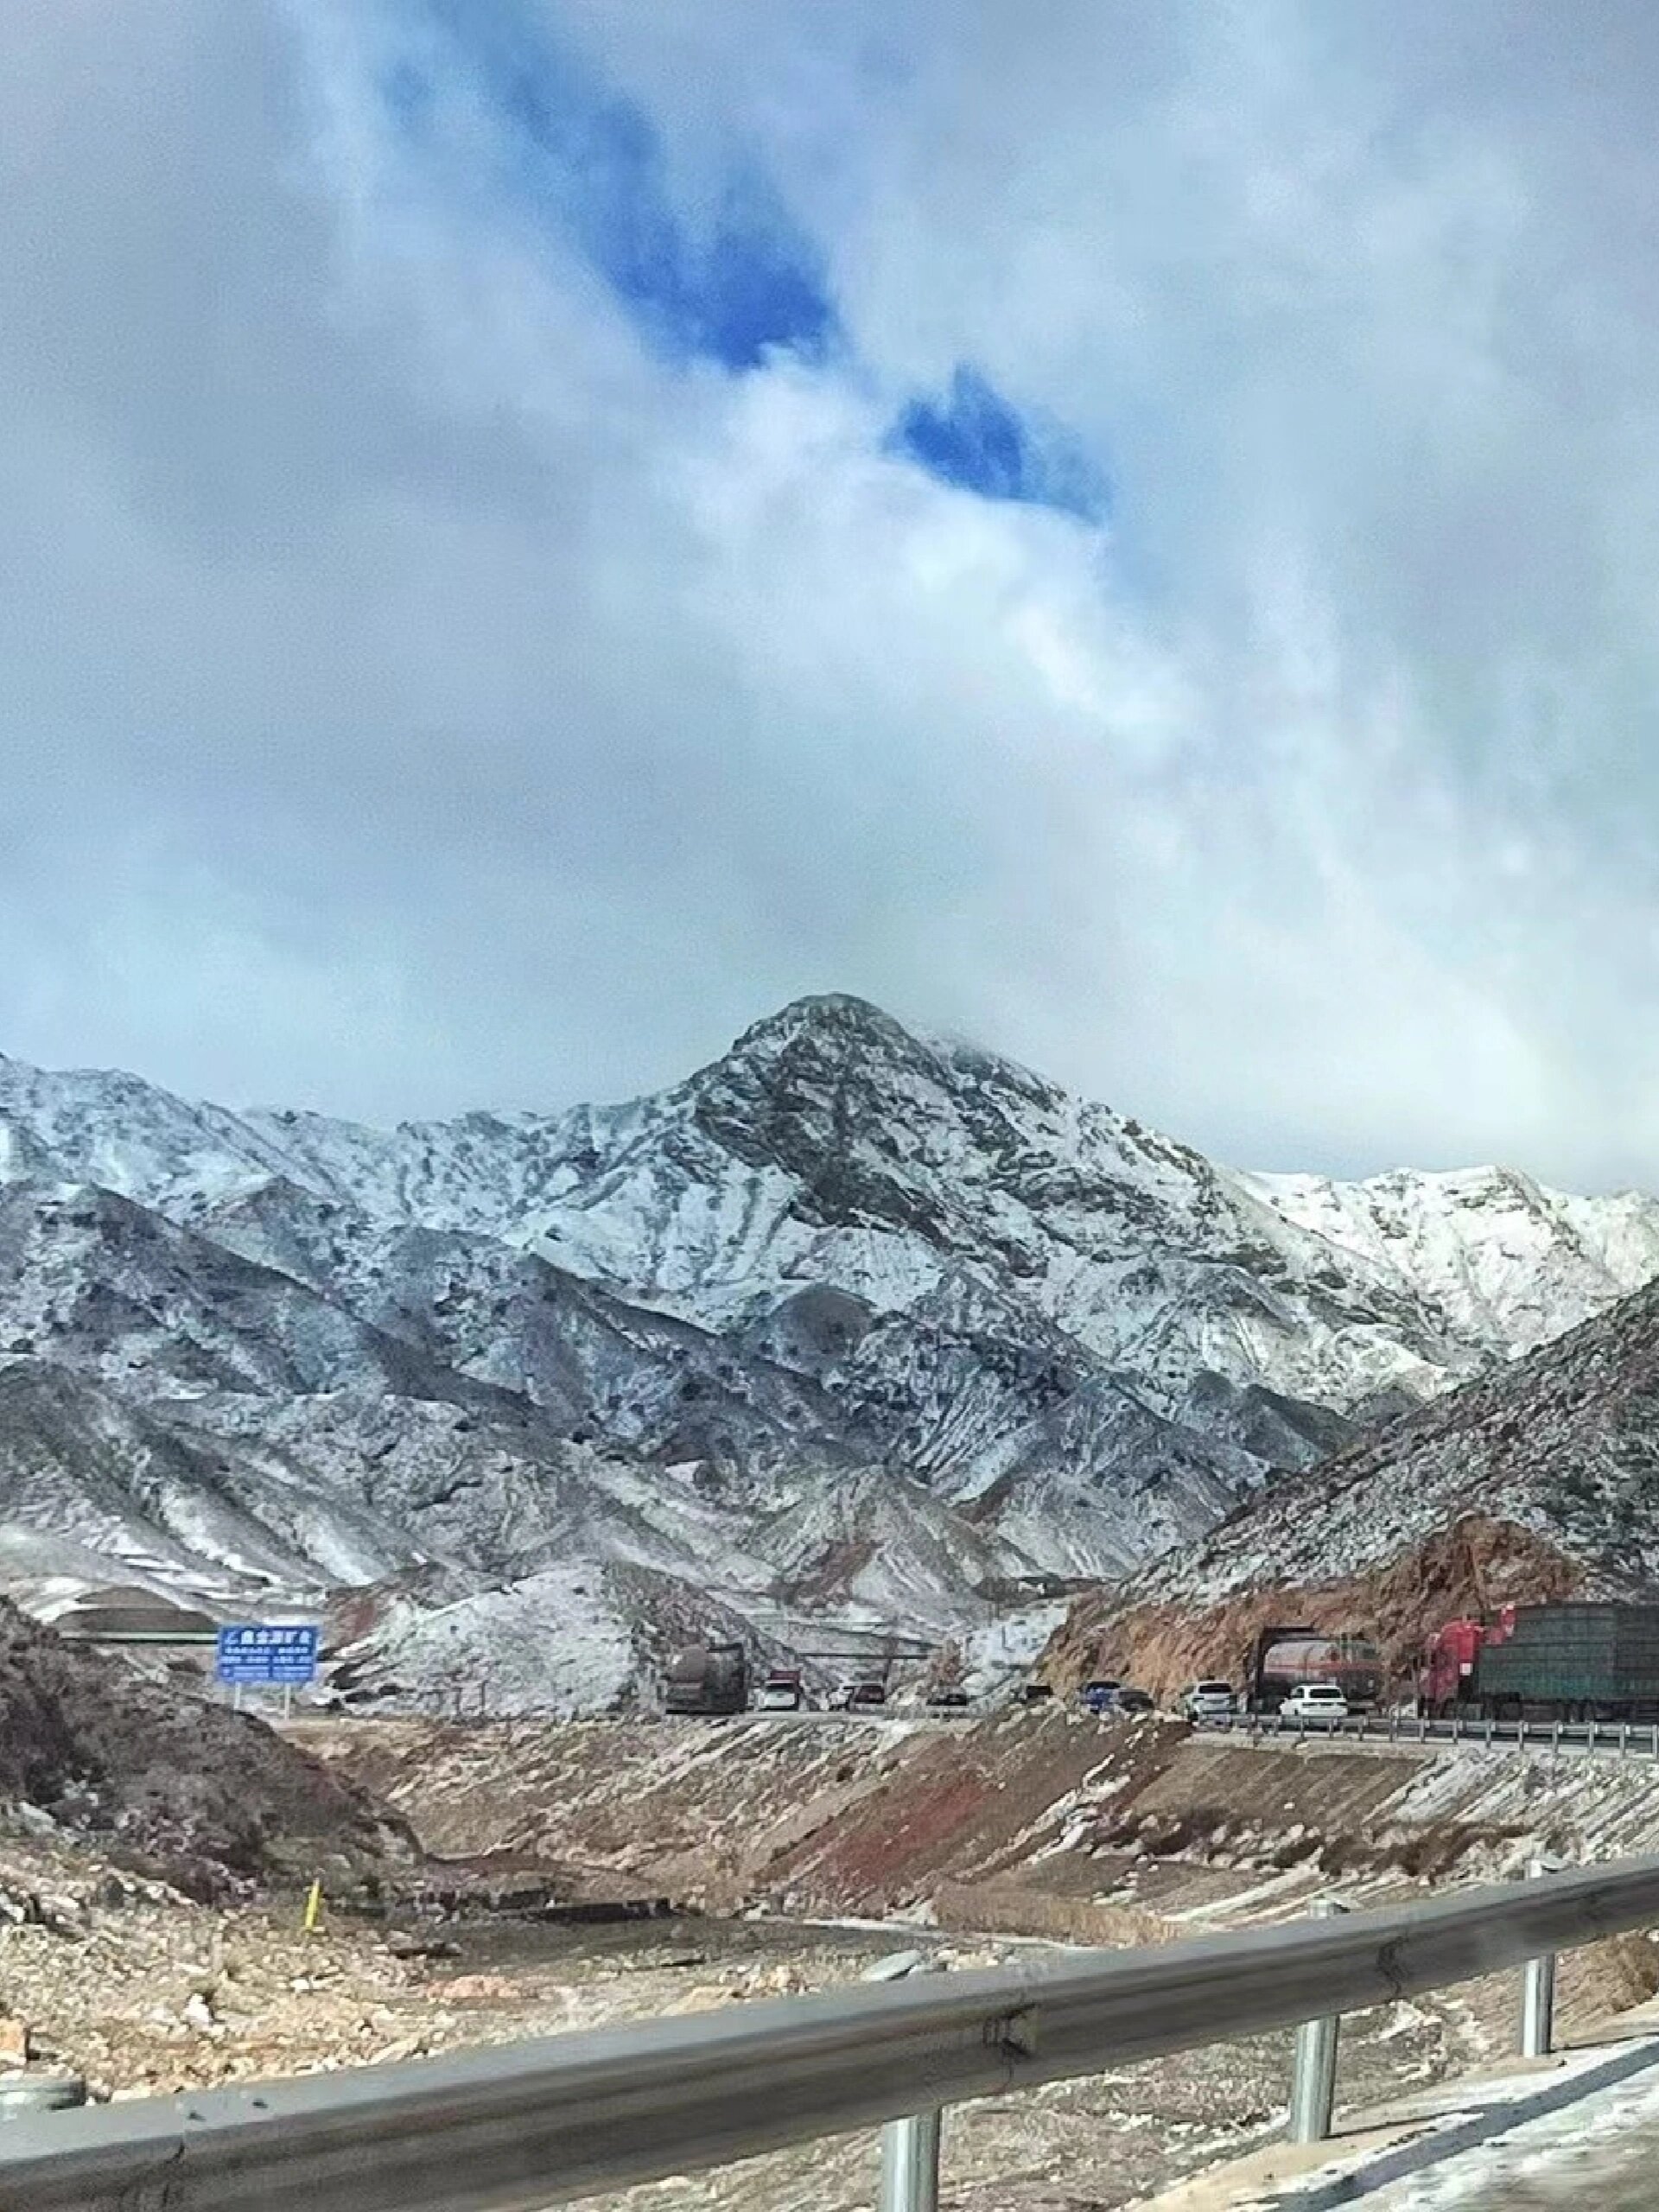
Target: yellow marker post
[[313, 1908]]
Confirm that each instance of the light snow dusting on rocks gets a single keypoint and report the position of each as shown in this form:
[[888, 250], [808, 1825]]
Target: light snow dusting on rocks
[[856, 1334]]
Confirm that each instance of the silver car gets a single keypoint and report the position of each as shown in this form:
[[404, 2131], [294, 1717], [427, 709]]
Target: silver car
[[1210, 1700]]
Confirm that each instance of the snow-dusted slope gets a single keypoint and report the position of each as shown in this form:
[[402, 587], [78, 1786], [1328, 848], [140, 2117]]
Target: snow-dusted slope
[[99, 1283], [1508, 1261], [851, 1311], [1564, 1444], [1538, 1483]]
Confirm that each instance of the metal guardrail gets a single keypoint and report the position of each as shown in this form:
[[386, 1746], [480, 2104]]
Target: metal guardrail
[[1626, 1736], [538, 2123]]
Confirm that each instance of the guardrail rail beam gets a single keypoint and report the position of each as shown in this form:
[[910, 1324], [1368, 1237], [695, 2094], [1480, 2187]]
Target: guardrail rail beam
[[536, 2124]]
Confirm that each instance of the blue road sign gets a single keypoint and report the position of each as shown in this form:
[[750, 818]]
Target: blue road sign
[[269, 1654]]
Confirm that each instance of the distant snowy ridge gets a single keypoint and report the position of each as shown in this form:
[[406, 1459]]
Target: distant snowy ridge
[[831, 1145], [850, 1319]]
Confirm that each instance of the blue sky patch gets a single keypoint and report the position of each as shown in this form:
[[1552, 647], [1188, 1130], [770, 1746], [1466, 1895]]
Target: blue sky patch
[[589, 165], [973, 438]]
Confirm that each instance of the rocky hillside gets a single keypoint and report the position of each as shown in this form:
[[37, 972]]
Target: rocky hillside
[[1540, 1481], [854, 1325], [207, 1796]]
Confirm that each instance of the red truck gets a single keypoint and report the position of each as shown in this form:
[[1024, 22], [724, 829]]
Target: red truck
[[1446, 1678], [1574, 1660]]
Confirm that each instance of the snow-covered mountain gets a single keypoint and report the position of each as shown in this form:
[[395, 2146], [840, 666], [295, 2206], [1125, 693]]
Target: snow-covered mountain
[[849, 1313]]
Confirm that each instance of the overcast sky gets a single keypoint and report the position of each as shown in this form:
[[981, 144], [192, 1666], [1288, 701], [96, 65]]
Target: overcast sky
[[532, 531]]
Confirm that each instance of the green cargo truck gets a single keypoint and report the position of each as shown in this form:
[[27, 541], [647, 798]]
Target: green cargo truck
[[1571, 1663]]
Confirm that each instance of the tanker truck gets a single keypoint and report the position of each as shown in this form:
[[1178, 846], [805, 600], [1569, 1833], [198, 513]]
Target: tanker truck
[[1289, 1658], [708, 1678]]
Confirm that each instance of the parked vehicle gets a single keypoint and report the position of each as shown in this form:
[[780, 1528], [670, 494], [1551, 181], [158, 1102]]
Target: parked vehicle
[[951, 1694], [1210, 1700], [1318, 1701], [1033, 1693], [1287, 1658], [1100, 1697], [1130, 1699], [783, 1691], [708, 1678], [1547, 1662]]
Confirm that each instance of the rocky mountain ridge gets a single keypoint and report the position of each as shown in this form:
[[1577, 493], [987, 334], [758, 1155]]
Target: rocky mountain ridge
[[851, 1312]]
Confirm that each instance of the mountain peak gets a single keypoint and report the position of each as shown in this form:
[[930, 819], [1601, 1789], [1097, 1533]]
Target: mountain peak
[[833, 1020], [837, 1032], [675, 1329]]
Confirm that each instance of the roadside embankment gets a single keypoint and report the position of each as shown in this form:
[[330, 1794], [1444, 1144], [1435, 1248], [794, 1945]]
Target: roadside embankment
[[1048, 1822]]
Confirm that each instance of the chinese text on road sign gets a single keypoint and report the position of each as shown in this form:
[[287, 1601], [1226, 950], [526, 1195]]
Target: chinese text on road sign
[[283, 1654]]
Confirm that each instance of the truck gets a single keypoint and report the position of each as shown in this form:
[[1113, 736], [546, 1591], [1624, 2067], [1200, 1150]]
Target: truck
[[1588, 1662], [1287, 1658], [1446, 1672], [708, 1678]]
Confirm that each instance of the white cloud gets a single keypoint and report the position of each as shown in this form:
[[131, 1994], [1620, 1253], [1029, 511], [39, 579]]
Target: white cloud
[[421, 694]]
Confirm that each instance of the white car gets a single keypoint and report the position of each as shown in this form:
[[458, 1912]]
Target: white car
[[1208, 1700], [1315, 1701]]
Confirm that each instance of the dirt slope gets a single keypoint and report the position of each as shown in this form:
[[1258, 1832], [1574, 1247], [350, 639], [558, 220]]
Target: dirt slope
[[1038, 1821], [214, 1797]]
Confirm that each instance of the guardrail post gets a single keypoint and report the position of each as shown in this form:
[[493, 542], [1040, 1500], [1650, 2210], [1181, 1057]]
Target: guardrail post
[[910, 2147], [1313, 2080], [1624, 1739], [1394, 1722], [1538, 1993], [909, 2163]]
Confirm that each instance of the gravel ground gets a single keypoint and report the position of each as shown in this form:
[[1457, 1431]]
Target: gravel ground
[[140, 1988], [144, 1990]]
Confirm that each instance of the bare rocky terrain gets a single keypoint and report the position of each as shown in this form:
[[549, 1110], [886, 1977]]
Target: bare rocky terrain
[[1046, 1822], [1044, 1825], [155, 1774], [778, 1855], [147, 1991]]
